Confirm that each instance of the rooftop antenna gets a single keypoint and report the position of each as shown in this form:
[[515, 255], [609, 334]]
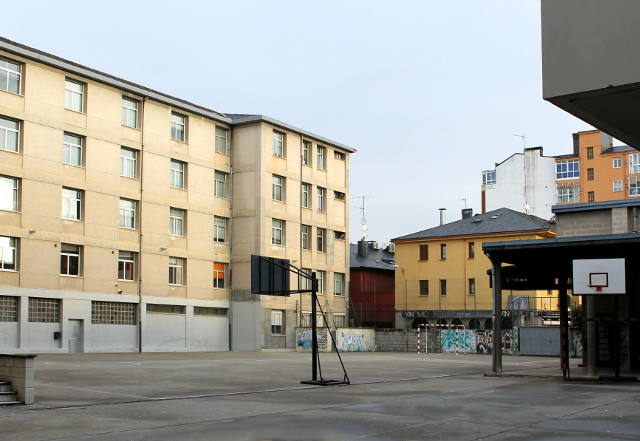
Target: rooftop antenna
[[465, 202], [363, 222], [524, 142]]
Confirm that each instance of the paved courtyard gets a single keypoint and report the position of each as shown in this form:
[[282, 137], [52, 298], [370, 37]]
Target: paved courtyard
[[258, 396]]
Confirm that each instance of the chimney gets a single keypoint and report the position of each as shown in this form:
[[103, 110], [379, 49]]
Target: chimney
[[467, 213], [363, 248], [443, 215]]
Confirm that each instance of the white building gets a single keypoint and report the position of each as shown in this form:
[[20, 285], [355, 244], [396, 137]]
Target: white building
[[523, 182]]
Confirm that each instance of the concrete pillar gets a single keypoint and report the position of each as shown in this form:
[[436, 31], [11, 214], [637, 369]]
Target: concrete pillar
[[496, 362]]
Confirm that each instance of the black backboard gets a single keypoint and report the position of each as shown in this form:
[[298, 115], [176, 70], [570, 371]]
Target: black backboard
[[269, 276]]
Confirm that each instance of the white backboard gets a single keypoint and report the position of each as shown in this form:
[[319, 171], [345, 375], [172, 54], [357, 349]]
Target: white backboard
[[609, 274]]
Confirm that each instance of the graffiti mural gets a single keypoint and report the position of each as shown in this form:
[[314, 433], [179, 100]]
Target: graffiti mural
[[484, 341], [355, 340], [576, 343], [458, 340], [303, 339]]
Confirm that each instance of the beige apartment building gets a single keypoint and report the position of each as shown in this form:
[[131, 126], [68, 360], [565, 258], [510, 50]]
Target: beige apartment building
[[128, 217]]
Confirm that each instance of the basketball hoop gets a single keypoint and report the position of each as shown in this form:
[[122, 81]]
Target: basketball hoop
[[596, 286]]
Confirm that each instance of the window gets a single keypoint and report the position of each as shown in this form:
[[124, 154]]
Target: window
[[128, 162], [339, 155], [589, 152], [591, 196], [177, 174], [128, 213], [443, 287], [305, 237], [9, 193], [321, 240], [443, 251], [8, 253], [223, 140], [10, 75], [321, 276], [617, 185], [424, 287], [8, 308], [340, 235], [176, 221], [489, 177], [43, 310], [220, 187], [424, 252], [176, 271], [277, 232], [9, 134], [305, 195], [71, 203], [338, 195], [568, 169], [303, 282], [472, 287], [277, 322], [166, 309], [220, 229], [338, 284], [73, 95], [126, 265], [634, 186], [339, 320], [472, 250], [321, 158], [617, 162], [322, 199], [634, 162], [70, 260], [209, 310], [130, 112], [178, 127], [219, 272], [113, 313], [306, 153], [590, 174], [278, 144], [277, 188], [568, 195], [72, 152]]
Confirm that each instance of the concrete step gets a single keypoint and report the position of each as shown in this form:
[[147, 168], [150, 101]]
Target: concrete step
[[9, 403], [5, 386], [7, 397]]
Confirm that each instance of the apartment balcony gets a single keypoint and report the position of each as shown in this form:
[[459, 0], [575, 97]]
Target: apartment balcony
[[590, 66]]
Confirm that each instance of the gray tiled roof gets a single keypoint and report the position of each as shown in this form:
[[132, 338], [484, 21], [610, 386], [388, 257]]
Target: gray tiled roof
[[502, 220], [375, 259], [619, 149]]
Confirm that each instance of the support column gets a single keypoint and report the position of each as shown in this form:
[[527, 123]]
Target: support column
[[592, 336], [496, 275], [564, 325]]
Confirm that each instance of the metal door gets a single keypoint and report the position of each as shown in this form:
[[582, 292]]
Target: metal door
[[74, 341]]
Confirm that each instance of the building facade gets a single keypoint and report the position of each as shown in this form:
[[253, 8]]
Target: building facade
[[372, 287], [523, 182], [127, 216], [442, 272], [597, 171]]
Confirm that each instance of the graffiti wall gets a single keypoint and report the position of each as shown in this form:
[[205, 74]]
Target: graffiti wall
[[478, 341], [303, 339], [355, 340]]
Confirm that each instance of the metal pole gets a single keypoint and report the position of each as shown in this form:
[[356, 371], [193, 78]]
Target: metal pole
[[564, 326], [314, 331], [592, 335], [616, 338], [496, 274]]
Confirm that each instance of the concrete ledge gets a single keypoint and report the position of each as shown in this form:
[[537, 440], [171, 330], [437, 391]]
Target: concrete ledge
[[17, 369]]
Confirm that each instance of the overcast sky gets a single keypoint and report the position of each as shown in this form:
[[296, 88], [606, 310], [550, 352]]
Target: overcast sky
[[429, 92]]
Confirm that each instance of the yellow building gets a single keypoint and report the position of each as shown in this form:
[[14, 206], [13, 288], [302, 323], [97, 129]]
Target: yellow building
[[127, 216], [442, 271]]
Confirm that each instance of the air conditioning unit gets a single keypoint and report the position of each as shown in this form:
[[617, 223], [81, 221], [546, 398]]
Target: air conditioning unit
[[375, 245], [392, 248]]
